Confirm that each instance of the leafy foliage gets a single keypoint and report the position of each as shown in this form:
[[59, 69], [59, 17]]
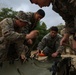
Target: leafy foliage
[[7, 12]]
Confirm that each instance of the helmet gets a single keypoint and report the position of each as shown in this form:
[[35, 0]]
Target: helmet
[[23, 17]]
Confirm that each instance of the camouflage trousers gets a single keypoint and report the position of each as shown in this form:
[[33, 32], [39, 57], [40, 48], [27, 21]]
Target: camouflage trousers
[[4, 47]]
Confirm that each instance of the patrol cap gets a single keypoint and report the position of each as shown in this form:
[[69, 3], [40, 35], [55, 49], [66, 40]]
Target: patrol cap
[[23, 17], [41, 12]]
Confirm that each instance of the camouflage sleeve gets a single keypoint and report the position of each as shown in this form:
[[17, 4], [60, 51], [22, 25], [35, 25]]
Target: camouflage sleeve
[[71, 16], [70, 25], [41, 44], [57, 43], [25, 29], [60, 49], [8, 31]]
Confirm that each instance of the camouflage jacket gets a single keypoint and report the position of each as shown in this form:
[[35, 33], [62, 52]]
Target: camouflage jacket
[[9, 31], [67, 10], [50, 42], [31, 26]]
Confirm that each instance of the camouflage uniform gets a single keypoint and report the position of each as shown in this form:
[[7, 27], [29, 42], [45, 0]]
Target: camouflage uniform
[[67, 10], [28, 28], [32, 25], [49, 44], [10, 34]]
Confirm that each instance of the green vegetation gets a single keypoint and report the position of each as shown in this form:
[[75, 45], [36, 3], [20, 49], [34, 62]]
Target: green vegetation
[[6, 12]]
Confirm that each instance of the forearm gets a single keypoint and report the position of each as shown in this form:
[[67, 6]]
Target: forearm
[[66, 35]]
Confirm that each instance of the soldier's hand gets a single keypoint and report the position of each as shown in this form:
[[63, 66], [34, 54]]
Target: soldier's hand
[[55, 54], [33, 34], [36, 54], [23, 58], [29, 41]]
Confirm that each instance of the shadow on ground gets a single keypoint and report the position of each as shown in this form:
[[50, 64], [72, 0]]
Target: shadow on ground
[[31, 67]]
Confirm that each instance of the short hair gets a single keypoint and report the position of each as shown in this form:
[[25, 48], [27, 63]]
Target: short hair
[[41, 12], [54, 28]]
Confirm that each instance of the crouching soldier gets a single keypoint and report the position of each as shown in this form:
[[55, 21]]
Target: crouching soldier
[[11, 33], [50, 42]]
